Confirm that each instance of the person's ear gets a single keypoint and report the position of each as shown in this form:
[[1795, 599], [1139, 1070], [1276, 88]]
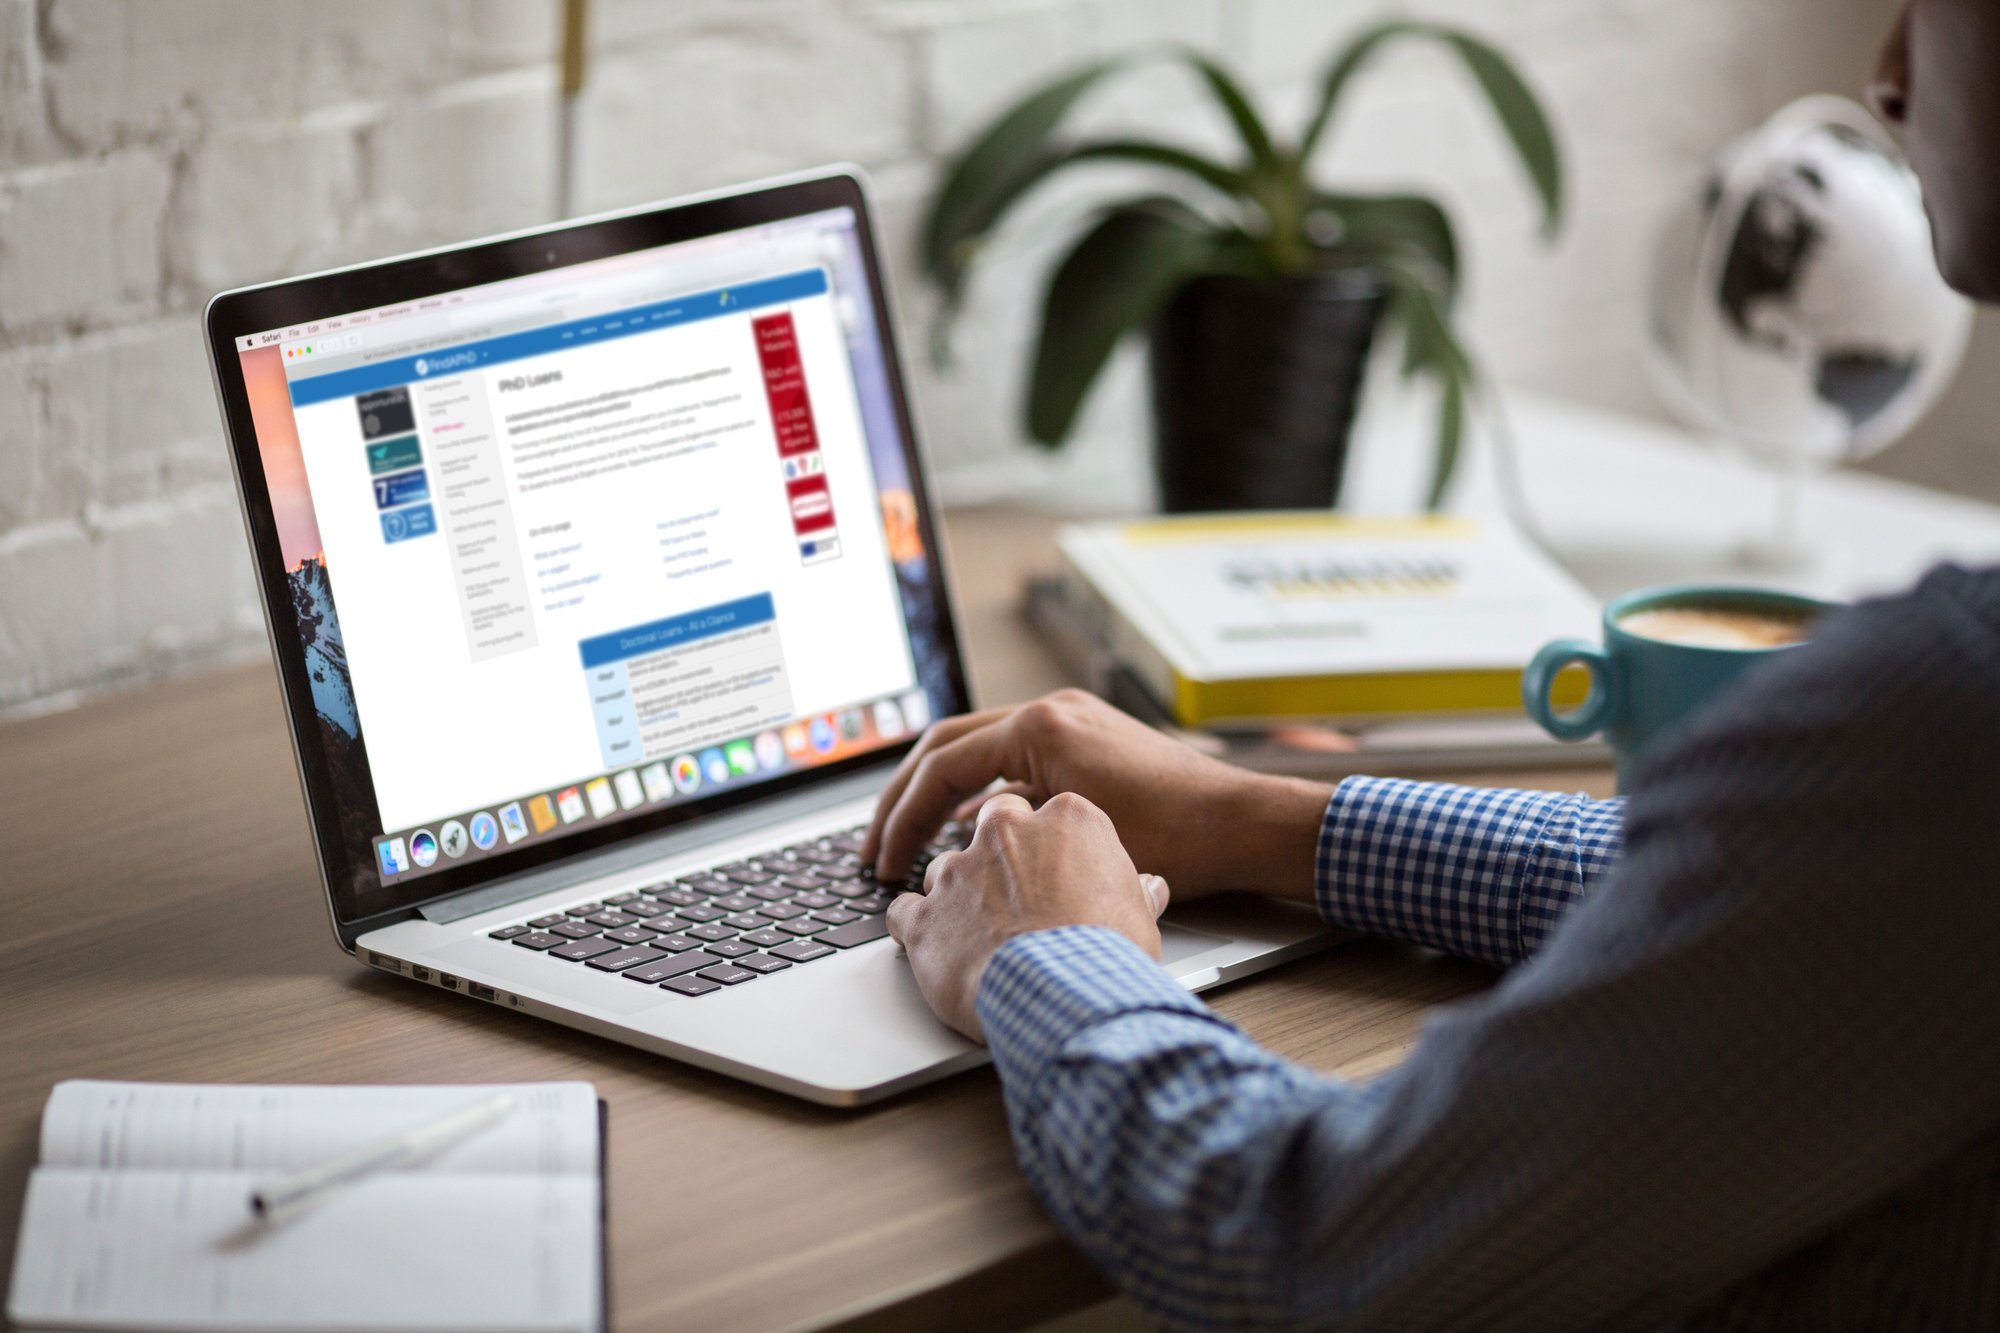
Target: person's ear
[[1889, 90]]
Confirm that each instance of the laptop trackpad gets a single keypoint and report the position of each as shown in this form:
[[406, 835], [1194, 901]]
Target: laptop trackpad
[[1178, 943]]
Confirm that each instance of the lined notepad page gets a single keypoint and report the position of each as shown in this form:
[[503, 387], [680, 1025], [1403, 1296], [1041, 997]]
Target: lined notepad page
[[138, 1215]]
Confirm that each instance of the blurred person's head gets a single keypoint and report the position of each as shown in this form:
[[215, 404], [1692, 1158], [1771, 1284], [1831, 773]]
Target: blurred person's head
[[1939, 80]]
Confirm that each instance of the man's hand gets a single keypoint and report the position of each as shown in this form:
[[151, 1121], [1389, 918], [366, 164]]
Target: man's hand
[[1025, 870], [1203, 824]]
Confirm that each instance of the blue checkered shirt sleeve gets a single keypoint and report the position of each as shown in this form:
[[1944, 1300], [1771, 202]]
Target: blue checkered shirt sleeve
[[1481, 872]]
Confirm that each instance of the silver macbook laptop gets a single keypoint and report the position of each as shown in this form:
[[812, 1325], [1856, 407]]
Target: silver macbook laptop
[[605, 593]]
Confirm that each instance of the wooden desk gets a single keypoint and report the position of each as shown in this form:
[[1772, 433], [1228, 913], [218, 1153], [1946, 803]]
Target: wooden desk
[[163, 922]]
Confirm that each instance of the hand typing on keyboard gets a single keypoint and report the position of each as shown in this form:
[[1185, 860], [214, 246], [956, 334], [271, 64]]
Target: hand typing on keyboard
[[1203, 824], [1024, 870]]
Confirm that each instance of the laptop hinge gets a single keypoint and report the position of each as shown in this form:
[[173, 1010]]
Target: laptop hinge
[[658, 847]]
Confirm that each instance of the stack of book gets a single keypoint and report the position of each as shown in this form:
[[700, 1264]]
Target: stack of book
[[1318, 644]]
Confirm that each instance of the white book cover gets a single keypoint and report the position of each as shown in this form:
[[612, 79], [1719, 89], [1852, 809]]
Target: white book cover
[[1414, 614]]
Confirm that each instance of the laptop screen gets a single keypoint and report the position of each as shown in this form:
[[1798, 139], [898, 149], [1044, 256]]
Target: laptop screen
[[573, 549]]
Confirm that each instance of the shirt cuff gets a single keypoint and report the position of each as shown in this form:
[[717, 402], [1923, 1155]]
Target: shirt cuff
[[1043, 988], [1432, 863]]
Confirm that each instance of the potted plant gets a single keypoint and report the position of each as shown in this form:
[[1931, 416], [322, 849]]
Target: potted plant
[[1262, 289]]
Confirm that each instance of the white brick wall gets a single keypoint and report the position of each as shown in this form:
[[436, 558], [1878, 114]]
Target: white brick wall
[[151, 153]]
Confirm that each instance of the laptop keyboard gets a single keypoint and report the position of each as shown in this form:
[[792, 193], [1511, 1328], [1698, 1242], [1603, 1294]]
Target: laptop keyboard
[[731, 923]]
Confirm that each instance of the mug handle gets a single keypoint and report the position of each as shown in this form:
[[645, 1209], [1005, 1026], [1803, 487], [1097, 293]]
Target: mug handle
[[1598, 707]]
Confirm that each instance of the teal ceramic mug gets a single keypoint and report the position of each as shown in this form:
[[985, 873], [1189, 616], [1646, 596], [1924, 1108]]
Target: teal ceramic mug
[[1645, 685]]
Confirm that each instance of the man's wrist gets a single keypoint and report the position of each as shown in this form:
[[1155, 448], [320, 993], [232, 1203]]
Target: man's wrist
[[1267, 839]]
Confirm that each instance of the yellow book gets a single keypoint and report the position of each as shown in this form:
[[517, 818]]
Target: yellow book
[[1243, 618]]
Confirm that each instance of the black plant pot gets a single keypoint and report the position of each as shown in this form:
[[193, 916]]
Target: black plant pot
[[1255, 383]]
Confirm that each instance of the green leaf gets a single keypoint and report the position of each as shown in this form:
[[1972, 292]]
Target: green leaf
[[1113, 282], [1342, 71], [1222, 179], [1423, 350], [1411, 225], [1242, 114], [1013, 154], [1399, 226], [1451, 435], [1226, 180], [1007, 160], [1521, 115], [992, 171], [1515, 106], [1430, 348]]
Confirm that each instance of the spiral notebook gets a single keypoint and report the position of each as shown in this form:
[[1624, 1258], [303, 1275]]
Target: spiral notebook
[[137, 1215]]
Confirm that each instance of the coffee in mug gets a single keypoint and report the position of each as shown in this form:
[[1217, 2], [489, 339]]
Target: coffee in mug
[[1718, 626], [1666, 654]]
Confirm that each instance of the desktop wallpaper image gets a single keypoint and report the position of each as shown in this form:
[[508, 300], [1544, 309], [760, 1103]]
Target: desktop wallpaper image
[[313, 619]]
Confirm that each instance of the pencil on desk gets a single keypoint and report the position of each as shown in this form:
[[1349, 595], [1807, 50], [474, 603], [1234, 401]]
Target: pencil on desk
[[287, 1195]]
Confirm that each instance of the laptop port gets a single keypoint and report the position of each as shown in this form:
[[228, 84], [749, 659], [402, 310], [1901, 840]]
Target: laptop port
[[384, 962], [448, 981], [420, 973], [479, 992]]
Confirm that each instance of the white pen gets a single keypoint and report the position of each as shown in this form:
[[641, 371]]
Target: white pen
[[282, 1197]]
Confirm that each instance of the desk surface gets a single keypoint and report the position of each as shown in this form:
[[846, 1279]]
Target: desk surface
[[163, 922]]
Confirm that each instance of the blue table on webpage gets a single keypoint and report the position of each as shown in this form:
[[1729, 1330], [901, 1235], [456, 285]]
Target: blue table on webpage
[[667, 686]]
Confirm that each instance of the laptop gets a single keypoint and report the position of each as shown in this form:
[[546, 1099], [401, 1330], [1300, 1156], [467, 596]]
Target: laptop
[[605, 593]]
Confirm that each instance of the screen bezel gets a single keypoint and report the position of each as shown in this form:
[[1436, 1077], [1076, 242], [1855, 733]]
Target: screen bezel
[[236, 314]]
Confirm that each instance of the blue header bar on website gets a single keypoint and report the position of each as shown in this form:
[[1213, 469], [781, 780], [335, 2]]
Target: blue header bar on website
[[556, 337]]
